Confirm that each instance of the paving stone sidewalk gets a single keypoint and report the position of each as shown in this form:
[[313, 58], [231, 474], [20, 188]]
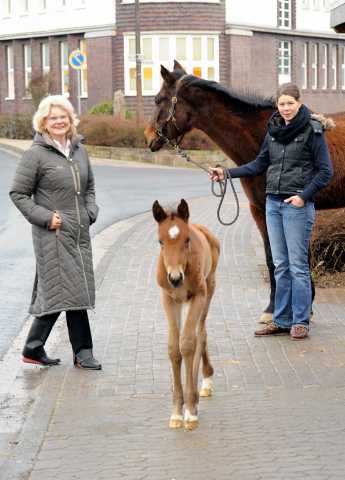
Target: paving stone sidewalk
[[277, 410]]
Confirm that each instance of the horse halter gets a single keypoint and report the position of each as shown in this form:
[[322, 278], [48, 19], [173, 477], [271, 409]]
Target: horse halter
[[171, 116]]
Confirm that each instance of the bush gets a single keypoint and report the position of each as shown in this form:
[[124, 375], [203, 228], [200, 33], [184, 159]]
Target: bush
[[17, 126], [103, 108], [39, 88], [327, 241], [111, 131]]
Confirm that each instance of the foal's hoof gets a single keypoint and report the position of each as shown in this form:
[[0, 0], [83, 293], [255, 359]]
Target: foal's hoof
[[190, 421], [206, 387], [266, 318], [191, 425], [205, 392], [176, 421]]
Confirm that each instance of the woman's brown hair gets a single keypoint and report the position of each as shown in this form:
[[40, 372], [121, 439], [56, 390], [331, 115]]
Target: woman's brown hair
[[290, 89]]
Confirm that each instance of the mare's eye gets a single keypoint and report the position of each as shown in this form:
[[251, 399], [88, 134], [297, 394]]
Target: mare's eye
[[160, 241], [187, 241]]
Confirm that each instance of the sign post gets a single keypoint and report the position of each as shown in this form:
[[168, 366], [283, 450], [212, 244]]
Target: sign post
[[77, 60]]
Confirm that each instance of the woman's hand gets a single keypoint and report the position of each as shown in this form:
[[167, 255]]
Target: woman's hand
[[56, 222], [295, 200], [218, 174]]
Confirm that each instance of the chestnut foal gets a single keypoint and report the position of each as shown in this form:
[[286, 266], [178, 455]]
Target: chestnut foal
[[186, 269]]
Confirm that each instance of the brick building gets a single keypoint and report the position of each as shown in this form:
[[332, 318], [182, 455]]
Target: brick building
[[247, 45]]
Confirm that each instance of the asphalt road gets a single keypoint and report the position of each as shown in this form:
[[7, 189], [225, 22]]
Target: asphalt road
[[121, 192]]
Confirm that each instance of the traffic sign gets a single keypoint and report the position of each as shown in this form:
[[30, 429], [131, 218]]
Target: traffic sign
[[77, 59]]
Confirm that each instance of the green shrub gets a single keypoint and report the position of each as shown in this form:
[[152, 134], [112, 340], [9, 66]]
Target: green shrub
[[130, 114], [103, 108], [16, 126]]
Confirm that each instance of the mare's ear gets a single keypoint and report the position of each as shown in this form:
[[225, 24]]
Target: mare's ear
[[158, 212], [179, 66], [168, 77], [183, 210]]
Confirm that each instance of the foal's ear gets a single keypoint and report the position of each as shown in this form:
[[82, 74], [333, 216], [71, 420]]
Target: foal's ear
[[183, 210], [158, 212], [168, 77]]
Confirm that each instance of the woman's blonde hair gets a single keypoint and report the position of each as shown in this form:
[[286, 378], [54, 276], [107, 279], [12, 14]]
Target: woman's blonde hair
[[44, 109]]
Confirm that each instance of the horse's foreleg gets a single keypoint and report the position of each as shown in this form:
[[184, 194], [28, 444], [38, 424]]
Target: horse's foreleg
[[202, 349], [259, 215], [188, 347], [173, 312]]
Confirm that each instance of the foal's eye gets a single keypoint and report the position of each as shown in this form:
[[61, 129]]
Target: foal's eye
[[160, 242], [187, 241]]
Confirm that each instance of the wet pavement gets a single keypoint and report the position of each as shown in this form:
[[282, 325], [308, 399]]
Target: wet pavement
[[277, 410]]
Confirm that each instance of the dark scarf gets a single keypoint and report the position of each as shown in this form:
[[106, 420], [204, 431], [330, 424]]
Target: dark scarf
[[284, 134]]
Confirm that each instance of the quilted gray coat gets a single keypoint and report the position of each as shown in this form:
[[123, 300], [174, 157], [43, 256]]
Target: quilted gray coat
[[46, 181]]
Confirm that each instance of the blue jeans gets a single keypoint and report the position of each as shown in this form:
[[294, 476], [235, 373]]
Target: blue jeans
[[289, 228]]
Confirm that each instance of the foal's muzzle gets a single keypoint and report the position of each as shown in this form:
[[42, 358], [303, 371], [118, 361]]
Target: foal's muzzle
[[176, 281]]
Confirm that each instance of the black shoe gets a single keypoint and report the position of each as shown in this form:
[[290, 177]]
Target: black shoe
[[41, 358], [85, 359]]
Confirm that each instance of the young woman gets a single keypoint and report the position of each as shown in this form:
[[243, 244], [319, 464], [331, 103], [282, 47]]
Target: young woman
[[54, 189], [296, 160]]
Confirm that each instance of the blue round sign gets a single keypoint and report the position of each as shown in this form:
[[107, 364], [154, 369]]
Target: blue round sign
[[77, 59]]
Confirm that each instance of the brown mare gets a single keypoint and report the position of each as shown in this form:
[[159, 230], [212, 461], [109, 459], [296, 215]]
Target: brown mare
[[236, 122], [186, 271]]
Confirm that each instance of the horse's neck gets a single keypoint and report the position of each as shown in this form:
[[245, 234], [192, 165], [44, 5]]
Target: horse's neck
[[238, 133]]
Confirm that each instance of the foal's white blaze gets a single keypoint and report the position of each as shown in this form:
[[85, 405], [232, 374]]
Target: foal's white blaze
[[189, 418], [207, 383], [173, 232]]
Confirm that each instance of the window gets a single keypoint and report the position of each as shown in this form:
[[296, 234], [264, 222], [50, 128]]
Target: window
[[7, 8], [314, 66], [284, 14], [334, 66], [315, 4], [343, 68], [64, 69], [27, 65], [42, 6], [284, 62], [198, 54], [45, 58], [305, 3], [83, 72], [10, 73], [61, 4], [324, 66], [304, 65], [24, 7]]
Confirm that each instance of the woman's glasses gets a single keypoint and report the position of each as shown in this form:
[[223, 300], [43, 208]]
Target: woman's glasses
[[55, 119]]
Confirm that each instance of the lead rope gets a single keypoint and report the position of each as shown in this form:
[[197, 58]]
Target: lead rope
[[222, 185]]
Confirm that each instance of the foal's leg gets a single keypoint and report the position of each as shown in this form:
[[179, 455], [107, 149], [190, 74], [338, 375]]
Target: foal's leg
[[173, 312], [188, 346], [202, 349]]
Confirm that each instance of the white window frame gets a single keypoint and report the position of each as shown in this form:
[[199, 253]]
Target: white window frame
[[314, 66], [62, 4], [10, 73], [24, 7], [284, 61], [284, 14], [64, 68], [80, 4], [334, 66], [155, 63], [324, 66], [305, 3], [83, 90], [45, 60], [27, 67], [343, 68], [315, 4], [42, 6], [304, 66], [7, 8]]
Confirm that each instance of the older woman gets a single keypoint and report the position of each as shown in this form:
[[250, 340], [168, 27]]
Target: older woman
[[54, 189]]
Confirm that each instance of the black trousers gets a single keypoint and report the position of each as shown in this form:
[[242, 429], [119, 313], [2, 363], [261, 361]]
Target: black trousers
[[78, 330]]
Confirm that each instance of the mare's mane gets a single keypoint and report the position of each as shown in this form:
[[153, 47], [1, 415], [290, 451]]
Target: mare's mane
[[225, 94]]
